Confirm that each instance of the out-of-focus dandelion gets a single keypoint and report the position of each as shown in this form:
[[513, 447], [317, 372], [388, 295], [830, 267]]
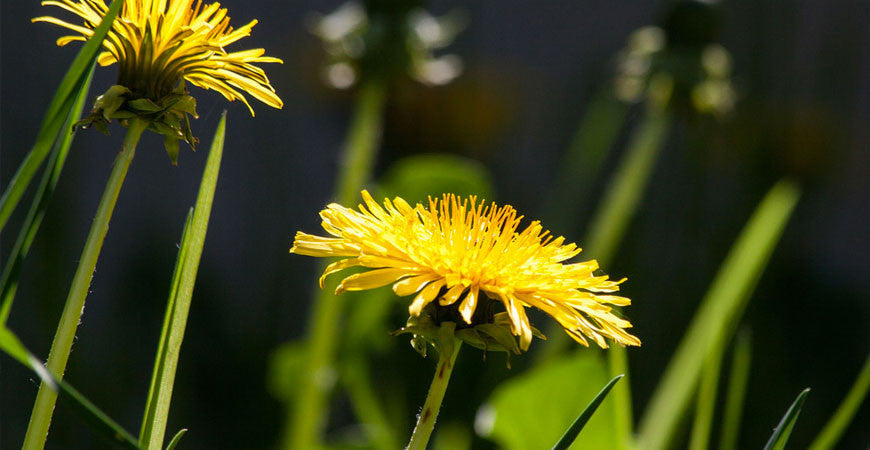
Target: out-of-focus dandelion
[[471, 258], [357, 44], [654, 69], [159, 44]]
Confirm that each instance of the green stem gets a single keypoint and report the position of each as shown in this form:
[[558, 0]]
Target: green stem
[[429, 413], [846, 412], [737, 381], [308, 412], [40, 418], [705, 406], [365, 403]]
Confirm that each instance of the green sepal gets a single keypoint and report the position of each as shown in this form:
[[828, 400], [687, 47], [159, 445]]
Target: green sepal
[[169, 116], [171, 145]]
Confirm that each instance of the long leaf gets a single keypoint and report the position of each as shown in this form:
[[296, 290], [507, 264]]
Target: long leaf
[[718, 314], [101, 422], [178, 306], [782, 431], [837, 424], [572, 432], [56, 114], [57, 158], [736, 394]]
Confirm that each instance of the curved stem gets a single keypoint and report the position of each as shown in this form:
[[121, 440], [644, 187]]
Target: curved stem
[[306, 417], [426, 419], [43, 407]]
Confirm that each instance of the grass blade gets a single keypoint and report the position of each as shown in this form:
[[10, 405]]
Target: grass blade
[[178, 306], [718, 314], [56, 114], [837, 424], [570, 435], [57, 158], [176, 439], [736, 391], [783, 429], [101, 422], [705, 408]]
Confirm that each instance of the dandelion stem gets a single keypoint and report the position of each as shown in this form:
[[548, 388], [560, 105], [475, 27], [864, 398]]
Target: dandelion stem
[[429, 413], [307, 414], [43, 407]]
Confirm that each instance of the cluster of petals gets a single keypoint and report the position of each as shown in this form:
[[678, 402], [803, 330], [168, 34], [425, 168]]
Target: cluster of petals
[[158, 42], [458, 250]]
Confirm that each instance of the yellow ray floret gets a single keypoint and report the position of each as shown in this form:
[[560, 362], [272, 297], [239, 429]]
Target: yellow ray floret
[[158, 42], [457, 251]]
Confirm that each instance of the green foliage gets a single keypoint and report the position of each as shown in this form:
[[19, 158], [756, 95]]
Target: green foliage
[[415, 178], [718, 315], [571, 434], [835, 427], [535, 408], [178, 304], [57, 158], [736, 394], [100, 422], [74, 81], [783, 430]]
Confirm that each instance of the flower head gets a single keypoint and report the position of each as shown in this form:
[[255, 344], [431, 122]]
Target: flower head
[[156, 43], [470, 258]]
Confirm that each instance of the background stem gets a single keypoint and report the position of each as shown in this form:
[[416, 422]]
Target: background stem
[[429, 413], [308, 411], [43, 407]]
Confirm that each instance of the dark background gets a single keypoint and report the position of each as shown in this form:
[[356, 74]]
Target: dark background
[[802, 69]]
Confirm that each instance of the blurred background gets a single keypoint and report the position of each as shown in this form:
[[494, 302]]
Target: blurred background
[[801, 79]]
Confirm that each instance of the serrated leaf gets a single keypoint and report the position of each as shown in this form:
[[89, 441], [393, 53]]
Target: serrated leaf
[[782, 431], [55, 116], [571, 434]]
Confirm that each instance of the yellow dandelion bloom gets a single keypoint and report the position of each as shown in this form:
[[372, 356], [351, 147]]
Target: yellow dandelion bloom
[[156, 43], [469, 257]]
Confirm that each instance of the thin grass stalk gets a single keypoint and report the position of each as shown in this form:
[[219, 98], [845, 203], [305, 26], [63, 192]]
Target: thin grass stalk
[[307, 414], [40, 419], [429, 413], [718, 314], [56, 161], [589, 147], [835, 427], [366, 405], [705, 407], [736, 394], [178, 307]]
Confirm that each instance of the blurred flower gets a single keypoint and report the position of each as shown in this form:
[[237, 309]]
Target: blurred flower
[[471, 258], [382, 39], [158, 44], [653, 69]]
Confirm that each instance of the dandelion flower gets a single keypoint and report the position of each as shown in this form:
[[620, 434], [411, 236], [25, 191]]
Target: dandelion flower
[[470, 258], [156, 43]]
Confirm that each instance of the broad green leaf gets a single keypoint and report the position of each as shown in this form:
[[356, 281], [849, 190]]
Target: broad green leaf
[[718, 315], [533, 410], [736, 394], [845, 413], [571, 434], [178, 304], [55, 116], [176, 439], [57, 158], [101, 422], [783, 430], [415, 178]]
